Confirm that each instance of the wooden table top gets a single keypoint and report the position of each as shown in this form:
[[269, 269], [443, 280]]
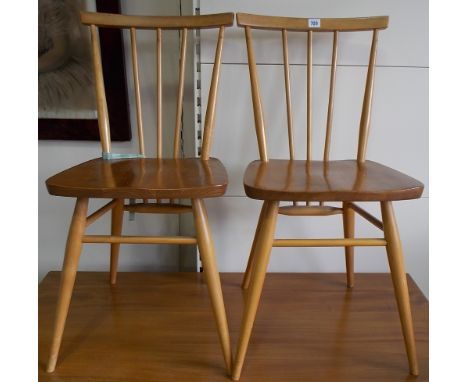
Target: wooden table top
[[159, 327]]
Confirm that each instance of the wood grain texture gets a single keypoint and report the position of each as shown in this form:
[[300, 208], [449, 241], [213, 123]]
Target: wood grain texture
[[309, 327], [150, 178], [151, 22], [345, 180], [302, 24]]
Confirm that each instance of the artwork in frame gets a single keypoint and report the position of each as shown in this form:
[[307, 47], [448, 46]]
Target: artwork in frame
[[67, 109]]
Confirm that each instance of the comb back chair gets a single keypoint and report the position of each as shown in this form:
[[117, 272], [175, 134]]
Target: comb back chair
[[133, 176], [306, 181]]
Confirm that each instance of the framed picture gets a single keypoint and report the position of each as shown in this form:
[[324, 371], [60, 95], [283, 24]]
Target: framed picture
[[67, 106]]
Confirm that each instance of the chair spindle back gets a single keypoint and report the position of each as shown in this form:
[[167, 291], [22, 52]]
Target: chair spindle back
[[311, 26], [158, 24]]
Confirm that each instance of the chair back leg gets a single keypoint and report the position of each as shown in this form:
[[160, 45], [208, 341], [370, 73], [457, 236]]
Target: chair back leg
[[248, 269], [116, 230], [67, 280], [348, 228]]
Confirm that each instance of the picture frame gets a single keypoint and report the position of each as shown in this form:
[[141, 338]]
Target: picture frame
[[115, 82]]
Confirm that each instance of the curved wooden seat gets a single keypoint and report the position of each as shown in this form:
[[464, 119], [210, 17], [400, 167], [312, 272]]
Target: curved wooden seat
[[148, 178], [342, 180]]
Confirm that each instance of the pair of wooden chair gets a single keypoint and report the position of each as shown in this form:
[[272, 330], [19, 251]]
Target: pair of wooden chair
[[165, 181]]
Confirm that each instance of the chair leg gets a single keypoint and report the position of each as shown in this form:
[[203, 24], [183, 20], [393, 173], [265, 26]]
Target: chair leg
[[400, 285], [248, 269], [67, 280], [116, 230], [210, 270], [262, 257], [348, 227]]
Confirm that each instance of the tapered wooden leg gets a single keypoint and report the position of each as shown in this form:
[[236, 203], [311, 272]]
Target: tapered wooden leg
[[248, 270], [262, 257], [116, 230], [210, 271], [348, 227], [67, 280], [400, 285]]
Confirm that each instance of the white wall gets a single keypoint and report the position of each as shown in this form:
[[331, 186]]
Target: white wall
[[55, 212], [398, 138]]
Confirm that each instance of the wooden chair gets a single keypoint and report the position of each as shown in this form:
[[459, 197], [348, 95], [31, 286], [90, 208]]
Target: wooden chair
[[122, 177], [345, 181]]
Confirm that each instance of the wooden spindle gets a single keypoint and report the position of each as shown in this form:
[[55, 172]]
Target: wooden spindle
[[103, 115], [367, 102], [159, 93], [331, 96], [136, 80], [257, 103], [180, 93], [309, 95], [287, 85], [211, 108], [309, 99]]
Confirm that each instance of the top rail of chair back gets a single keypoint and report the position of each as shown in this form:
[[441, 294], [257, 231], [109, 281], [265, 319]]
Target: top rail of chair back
[[302, 24], [112, 20]]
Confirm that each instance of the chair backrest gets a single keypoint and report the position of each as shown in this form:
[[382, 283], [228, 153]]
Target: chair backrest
[[310, 26], [158, 24]]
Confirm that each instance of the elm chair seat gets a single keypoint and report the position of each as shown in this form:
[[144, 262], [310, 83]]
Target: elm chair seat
[[341, 180], [145, 178]]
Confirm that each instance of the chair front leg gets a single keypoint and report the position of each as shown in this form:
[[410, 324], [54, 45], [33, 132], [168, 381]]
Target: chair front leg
[[248, 269], [400, 284], [210, 271], [116, 230], [67, 280], [348, 228], [262, 257]]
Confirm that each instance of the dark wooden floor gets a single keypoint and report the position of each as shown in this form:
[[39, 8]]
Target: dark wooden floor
[[159, 327]]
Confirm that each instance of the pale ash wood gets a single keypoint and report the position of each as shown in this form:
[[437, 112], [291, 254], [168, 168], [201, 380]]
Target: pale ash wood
[[159, 116], [331, 97], [262, 256], [302, 24], [400, 284], [366, 215], [367, 102], [153, 22], [212, 95], [309, 95], [70, 266], [101, 211], [309, 210], [180, 92], [136, 84], [210, 272], [158, 208], [116, 230], [348, 230], [257, 105], [103, 115], [248, 269], [287, 85], [364, 242], [183, 240]]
